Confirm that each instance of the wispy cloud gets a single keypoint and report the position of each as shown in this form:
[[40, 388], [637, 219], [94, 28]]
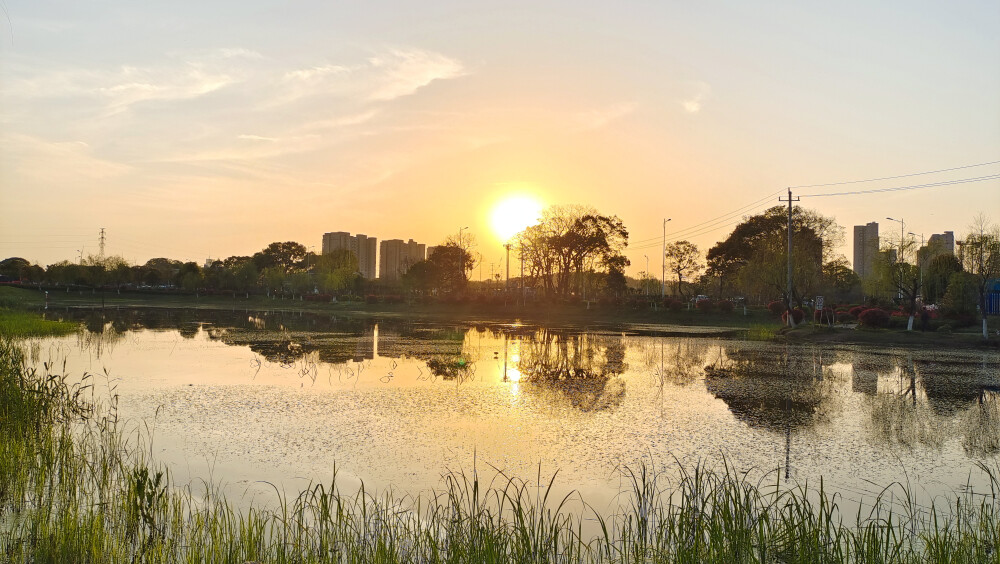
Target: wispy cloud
[[406, 71], [383, 77], [599, 118], [695, 95], [32, 158]]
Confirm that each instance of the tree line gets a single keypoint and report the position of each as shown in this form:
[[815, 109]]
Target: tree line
[[575, 252]]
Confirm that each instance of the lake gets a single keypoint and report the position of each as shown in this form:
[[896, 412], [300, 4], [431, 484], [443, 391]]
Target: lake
[[250, 399]]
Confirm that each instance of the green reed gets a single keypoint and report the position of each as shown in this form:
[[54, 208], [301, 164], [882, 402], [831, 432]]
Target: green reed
[[74, 488]]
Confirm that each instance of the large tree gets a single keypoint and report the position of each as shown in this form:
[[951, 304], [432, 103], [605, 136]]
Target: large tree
[[569, 242], [754, 256], [684, 261], [448, 267], [980, 257], [287, 256]]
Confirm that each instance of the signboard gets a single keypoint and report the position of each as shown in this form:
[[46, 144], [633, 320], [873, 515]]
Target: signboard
[[819, 303]]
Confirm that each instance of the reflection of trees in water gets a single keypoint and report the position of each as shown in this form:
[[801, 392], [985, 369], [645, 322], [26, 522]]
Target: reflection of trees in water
[[895, 419], [100, 335], [673, 360], [935, 398], [768, 388], [584, 368], [980, 425], [954, 383]]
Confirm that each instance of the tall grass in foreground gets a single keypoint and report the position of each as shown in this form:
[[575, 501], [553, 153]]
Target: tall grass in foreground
[[73, 489]]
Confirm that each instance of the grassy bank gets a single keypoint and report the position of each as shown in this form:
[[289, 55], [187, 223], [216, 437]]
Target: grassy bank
[[469, 311], [17, 321], [73, 489]]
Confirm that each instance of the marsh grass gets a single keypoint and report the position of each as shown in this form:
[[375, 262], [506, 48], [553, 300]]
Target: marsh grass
[[19, 324], [761, 333], [74, 488]]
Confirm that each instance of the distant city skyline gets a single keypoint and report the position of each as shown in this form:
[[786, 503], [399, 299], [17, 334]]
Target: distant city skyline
[[213, 129]]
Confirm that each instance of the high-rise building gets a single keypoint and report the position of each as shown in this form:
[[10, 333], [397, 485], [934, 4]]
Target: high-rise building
[[362, 246], [865, 248], [942, 242], [939, 244], [396, 257]]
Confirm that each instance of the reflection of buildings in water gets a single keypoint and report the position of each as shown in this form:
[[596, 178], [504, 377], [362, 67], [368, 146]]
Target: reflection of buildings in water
[[365, 346]]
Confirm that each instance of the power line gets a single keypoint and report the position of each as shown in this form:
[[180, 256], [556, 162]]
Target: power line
[[894, 177], [910, 187], [707, 225]]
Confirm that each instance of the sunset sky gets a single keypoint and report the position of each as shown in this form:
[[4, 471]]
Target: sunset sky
[[207, 129]]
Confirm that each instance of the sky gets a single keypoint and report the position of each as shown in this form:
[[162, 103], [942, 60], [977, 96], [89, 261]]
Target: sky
[[207, 129]]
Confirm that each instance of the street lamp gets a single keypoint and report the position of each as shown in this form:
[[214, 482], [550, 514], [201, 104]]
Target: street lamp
[[663, 256]]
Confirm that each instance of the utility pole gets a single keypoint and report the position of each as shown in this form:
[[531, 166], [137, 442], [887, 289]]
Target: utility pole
[[663, 258], [506, 285], [788, 302], [645, 282], [102, 243]]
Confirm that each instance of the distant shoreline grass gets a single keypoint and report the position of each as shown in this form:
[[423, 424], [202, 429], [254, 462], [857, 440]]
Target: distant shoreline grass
[[73, 489], [22, 324]]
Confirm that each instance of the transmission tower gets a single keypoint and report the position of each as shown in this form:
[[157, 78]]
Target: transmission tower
[[102, 243]]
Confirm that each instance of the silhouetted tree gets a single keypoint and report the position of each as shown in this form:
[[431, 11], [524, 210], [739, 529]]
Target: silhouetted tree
[[449, 265], [684, 261], [568, 242], [287, 256]]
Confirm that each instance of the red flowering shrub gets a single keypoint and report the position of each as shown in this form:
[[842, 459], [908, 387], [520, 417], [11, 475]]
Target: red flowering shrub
[[371, 299], [777, 307], [725, 306], [874, 317], [675, 305], [705, 305], [797, 314], [856, 310], [844, 317]]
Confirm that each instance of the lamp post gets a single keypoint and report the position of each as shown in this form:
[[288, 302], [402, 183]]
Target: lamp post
[[663, 257]]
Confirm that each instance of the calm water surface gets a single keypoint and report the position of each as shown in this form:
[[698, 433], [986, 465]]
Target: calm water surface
[[245, 397]]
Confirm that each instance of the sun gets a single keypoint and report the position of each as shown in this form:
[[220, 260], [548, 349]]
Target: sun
[[513, 214]]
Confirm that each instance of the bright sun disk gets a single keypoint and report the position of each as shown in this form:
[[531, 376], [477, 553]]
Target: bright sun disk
[[514, 214]]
